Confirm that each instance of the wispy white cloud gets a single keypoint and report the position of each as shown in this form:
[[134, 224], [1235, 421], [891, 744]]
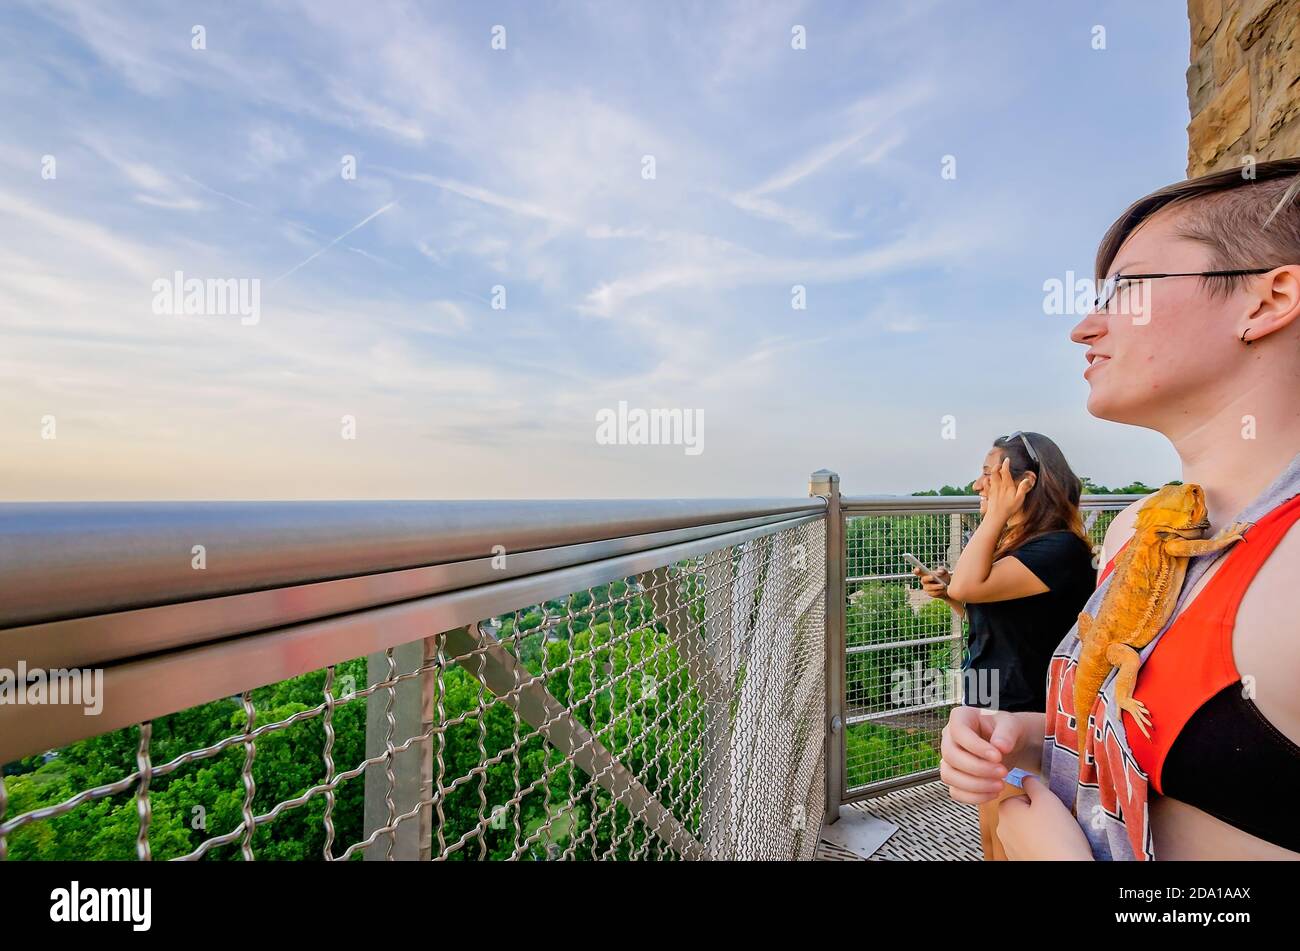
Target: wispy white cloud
[[741, 268], [270, 146], [86, 236], [484, 196], [174, 204], [160, 189], [874, 133]]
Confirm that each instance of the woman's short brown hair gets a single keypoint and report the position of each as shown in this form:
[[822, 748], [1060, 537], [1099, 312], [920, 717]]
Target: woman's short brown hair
[[1248, 216]]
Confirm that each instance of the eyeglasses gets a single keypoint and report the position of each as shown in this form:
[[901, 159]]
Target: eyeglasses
[[1110, 286], [1028, 448]]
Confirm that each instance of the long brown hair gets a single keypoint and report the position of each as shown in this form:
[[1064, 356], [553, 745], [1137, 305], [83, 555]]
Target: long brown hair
[[1053, 503]]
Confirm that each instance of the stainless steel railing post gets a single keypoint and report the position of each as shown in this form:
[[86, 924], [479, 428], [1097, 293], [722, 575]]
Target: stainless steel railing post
[[826, 484], [395, 786]]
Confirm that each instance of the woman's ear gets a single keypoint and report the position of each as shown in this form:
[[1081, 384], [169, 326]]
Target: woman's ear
[[1031, 478]]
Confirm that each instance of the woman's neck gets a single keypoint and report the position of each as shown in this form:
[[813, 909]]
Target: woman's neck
[[1236, 454]]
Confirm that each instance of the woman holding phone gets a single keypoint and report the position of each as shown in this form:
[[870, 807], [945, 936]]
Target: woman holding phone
[[1020, 581]]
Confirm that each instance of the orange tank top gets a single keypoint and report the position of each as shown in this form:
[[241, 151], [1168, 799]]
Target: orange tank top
[[1193, 660]]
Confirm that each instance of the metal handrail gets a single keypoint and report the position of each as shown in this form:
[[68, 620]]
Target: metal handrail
[[98, 639], [941, 504], [69, 559]]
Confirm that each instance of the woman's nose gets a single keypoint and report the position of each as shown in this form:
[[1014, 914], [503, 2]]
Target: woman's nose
[[1092, 326]]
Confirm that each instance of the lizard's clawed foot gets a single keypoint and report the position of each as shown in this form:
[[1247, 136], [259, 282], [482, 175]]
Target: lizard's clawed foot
[[1236, 531], [1138, 711]]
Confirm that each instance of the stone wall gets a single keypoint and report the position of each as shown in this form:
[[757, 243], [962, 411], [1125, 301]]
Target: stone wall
[[1243, 86]]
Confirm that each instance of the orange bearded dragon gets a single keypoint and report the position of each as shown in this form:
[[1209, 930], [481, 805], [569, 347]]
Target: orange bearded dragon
[[1141, 598]]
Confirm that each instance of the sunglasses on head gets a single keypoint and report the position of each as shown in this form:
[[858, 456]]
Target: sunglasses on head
[[1033, 456]]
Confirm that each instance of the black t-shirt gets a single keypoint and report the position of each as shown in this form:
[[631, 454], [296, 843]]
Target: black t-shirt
[[1011, 642]]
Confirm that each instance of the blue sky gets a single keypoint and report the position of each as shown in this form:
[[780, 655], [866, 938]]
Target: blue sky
[[523, 168]]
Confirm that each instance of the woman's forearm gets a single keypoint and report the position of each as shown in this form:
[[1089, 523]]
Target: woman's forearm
[[975, 563]]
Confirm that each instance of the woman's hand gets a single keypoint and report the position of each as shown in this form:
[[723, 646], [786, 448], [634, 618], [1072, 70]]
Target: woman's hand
[[936, 584], [1037, 825], [976, 745], [1005, 495]]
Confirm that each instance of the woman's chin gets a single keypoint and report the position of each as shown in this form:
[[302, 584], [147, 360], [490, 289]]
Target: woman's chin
[[1106, 407], [1103, 406]]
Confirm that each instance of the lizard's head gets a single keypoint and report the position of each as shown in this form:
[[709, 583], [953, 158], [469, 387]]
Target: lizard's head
[[1175, 508]]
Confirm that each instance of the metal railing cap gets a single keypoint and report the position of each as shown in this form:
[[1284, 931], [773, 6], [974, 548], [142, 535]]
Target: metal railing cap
[[68, 559]]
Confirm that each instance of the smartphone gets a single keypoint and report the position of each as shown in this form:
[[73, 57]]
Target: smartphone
[[917, 563]]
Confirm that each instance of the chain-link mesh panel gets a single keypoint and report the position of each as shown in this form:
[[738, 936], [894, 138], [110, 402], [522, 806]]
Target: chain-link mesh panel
[[674, 714], [904, 650]]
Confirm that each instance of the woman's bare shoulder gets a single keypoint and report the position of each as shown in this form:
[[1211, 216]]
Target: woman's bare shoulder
[[1120, 529]]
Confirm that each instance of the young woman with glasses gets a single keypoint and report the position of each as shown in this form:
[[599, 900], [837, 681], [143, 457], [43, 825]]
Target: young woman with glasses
[[1020, 581], [1212, 362]]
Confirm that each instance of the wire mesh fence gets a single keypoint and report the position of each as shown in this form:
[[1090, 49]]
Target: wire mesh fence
[[903, 650], [676, 713]]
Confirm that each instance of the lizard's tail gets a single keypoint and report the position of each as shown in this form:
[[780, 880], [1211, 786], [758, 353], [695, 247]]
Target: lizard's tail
[[1088, 677], [1086, 689]]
